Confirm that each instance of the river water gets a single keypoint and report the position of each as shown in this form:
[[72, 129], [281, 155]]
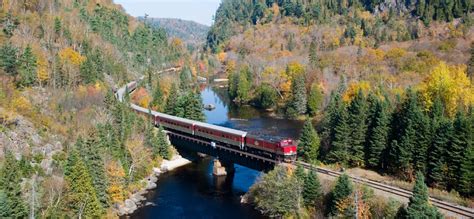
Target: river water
[[192, 191]]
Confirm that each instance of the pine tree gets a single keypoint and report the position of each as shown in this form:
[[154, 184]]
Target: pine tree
[[243, 88], [378, 136], [10, 183], [171, 101], [8, 59], [82, 197], [312, 189], [27, 67], [419, 206], [341, 191], [309, 143], [470, 66], [313, 55], [466, 187], [95, 165], [315, 100], [460, 141], [4, 210], [300, 174], [423, 138], [158, 96], [339, 152], [437, 154], [298, 102], [358, 127], [193, 107], [185, 78], [162, 145]]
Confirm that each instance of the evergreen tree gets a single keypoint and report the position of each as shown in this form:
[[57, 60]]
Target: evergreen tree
[[378, 136], [309, 143], [341, 191], [158, 97], [27, 67], [358, 127], [82, 197], [313, 55], [315, 100], [57, 26], [437, 174], [4, 210], [171, 101], [298, 101], [312, 189], [8, 59], [185, 78], [10, 184], [419, 206], [339, 152], [466, 187], [470, 65], [243, 88], [300, 174], [193, 106], [423, 138], [460, 142], [90, 153], [161, 143], [267, 96]]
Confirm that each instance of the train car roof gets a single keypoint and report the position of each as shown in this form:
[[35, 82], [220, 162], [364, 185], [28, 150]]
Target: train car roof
[[222, 129]]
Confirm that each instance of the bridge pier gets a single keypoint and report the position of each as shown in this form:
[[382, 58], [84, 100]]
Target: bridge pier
[[222, 168]]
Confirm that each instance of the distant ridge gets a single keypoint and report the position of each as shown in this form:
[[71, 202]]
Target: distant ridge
[[190, 32]]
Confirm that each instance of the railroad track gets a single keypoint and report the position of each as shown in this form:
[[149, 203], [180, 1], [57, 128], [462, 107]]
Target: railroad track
[[455, 209]]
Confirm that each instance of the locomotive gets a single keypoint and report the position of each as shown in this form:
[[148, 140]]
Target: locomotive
[[279, 150]]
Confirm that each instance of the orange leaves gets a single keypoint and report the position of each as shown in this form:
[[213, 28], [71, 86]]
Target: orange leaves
[[141, 97], [69, 55], [222, 56]]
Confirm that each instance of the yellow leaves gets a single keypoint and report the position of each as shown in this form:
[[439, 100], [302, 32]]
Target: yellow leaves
[[222, 56], [177, 43], [452, 86], [376, 54], [21, 104], [354, 88], [294, 69], [42, 70], [116, 176], [230, 67], [396, 53], [71, 56], [276, 10]]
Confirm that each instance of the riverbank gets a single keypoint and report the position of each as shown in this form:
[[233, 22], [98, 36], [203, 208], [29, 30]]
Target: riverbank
[[137, 199]]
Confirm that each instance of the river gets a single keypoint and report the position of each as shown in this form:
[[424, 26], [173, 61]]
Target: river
[[192, 191]]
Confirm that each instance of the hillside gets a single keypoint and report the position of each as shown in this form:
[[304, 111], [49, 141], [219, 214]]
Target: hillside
[[67, 148], [387, 84], [189, 31]]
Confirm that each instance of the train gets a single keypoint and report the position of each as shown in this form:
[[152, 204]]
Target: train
[[280, 150]]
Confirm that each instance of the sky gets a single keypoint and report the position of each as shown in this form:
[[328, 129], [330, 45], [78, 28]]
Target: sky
[[201, 11]]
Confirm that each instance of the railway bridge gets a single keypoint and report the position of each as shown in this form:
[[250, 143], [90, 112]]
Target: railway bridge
[[229, 146]]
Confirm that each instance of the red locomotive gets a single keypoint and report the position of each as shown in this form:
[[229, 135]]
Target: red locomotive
[[281, 150]]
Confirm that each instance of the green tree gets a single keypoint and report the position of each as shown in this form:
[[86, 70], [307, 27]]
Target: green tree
[[378, 136], [419, 206], [297, 104], [358, 128], [276, 194], [194, 106], [82, 197], [466, 187], [27, 67], [460, 142], [437, 166], [341, 191], [8, 59], [90, 153], [309, 143], [57, 26], [339, 151], [10, 183], [171, 102], [470, 65], [161, 144], [185, 78], [267, 96], [312, 191], [243, 88], [158, 97], [313, 55], [315, 99], [4, 210]]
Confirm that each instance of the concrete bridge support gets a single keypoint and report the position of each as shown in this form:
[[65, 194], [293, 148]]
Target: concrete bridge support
[[222, 168]]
